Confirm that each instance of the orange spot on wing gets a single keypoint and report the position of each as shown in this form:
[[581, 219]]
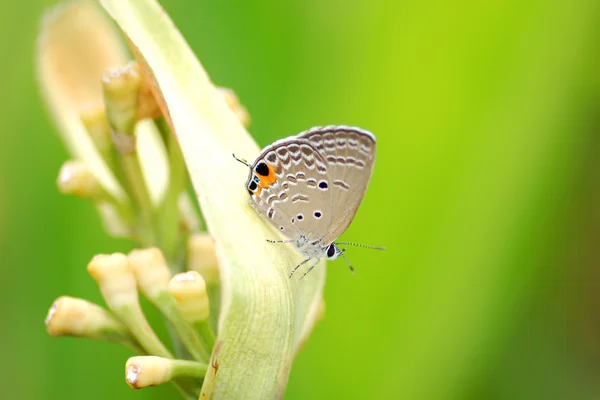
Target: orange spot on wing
[[266, 181]]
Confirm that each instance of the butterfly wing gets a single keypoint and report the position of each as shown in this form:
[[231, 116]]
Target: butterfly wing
[[288, 201], [319, 179], [349, 154]]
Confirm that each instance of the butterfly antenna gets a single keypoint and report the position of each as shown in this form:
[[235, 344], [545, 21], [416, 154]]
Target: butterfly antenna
[[345, 259], [362, 245], [242, 161]]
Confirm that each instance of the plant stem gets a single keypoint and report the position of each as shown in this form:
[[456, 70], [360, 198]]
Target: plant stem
[[206, 332], [141, 330], [141, 196], [169, 215], [190, 369], [185, 333]]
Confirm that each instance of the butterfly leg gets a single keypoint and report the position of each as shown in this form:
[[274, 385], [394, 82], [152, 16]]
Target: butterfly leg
[[280, 241], [298, 266], [315, 261]]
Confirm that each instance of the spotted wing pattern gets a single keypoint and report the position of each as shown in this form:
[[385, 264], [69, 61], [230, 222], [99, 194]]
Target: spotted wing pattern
[[298, 168], [350, 155], [313, 183]]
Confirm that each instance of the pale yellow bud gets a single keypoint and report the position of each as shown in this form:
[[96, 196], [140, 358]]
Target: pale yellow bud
[[69, 316], [75, 178], [150, 270], [144, 371], [119, 289], [189, 291], [202, 257], [121, 89], [119, 82], [115, 279]]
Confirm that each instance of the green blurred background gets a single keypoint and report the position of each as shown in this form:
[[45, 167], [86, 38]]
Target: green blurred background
[[486, 192]]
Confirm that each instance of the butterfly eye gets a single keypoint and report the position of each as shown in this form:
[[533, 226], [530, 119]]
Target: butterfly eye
[[256, 179], [253, 186], [331, 251]]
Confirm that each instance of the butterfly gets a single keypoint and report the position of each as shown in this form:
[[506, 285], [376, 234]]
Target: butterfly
[[309, 186]]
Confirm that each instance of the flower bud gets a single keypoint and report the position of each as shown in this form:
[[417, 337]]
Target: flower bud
[[121, 89], [152, 275], [69, 316], [118, 287], [202, 257], [75, 178], [150, 270], [115, 279], [145, 371], [189, 291]]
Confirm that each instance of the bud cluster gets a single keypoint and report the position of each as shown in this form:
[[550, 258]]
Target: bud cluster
[[127, 161], [181, 298]]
